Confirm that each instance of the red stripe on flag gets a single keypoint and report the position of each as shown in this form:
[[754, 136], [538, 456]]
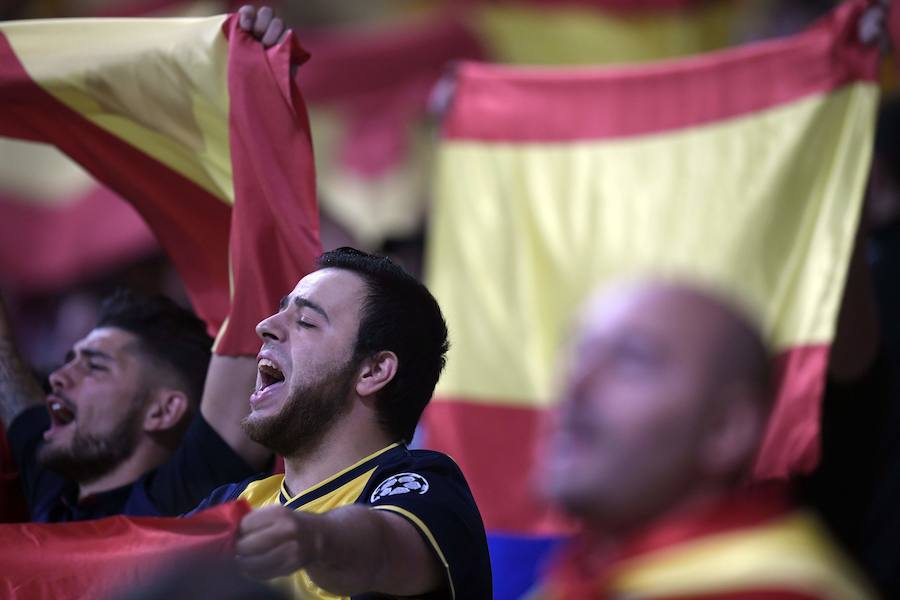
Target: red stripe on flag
[[380, 82], [496, 446], [275, 227], [352, 63], [190, 223], [49, 247], [791, 444], [93, 559], [500, 103]]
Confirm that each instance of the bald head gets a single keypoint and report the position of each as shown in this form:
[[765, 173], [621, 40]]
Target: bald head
[[666, 398], [733, 345]]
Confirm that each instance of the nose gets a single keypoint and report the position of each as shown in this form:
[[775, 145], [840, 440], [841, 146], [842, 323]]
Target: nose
[[270, 329], [62, 378], [575, 391]]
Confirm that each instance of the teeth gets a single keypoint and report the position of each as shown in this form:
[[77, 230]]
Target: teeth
[[56, 405], [265, 362]]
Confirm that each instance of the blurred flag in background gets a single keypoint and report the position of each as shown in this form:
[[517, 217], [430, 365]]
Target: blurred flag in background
[[70, 227], [552, 181]]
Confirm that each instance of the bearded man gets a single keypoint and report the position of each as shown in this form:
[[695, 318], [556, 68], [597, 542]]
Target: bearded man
[[347, 365]]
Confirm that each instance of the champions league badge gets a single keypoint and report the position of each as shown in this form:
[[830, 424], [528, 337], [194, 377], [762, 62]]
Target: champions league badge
[[402, 483]]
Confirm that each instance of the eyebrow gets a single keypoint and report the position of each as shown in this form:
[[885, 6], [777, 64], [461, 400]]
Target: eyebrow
[[88, 353], [302, 302]]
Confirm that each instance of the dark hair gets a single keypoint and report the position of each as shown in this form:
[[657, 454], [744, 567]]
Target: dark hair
[[399, 314], [170, 336]]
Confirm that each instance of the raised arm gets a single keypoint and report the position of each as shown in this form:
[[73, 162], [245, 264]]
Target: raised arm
[[347, 551], [18, 388], [226, 401]]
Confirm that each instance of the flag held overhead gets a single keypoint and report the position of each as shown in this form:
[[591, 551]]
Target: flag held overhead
[[199, 128]]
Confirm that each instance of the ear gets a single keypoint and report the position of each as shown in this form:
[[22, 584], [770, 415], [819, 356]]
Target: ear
[[376, 372], [165, 410], [735, 432]]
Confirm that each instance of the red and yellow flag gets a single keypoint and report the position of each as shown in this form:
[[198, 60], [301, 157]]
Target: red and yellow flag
[[743, 170], [368, 97], [202, 130], [69, 227], [95, 559]]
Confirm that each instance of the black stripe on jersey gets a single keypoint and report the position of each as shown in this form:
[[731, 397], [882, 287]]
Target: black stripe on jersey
[[342, 480]]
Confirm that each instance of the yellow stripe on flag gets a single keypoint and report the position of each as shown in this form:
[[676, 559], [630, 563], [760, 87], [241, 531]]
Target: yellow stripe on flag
[[763, 206], [792, 553], [161, 89], [40, 174], [577, 35]]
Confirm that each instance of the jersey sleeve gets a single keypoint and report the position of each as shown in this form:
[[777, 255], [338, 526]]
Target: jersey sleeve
[[432, 495], [202, 463]]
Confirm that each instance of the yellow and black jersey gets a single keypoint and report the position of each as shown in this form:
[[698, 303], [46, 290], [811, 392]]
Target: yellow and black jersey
[[426, 488]]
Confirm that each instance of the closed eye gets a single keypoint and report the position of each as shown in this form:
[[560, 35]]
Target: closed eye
[[305, 324], [96, 367]]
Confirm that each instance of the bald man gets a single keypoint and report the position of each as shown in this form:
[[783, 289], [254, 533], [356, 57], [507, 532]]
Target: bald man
[[666, 396]]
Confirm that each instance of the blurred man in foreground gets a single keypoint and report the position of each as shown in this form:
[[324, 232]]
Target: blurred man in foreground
[[666, 399]]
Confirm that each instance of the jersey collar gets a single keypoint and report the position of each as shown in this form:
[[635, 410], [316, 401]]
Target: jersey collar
[[338, 479]]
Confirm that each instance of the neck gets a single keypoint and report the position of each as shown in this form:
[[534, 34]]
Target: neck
[[146, 457], [353, 438]]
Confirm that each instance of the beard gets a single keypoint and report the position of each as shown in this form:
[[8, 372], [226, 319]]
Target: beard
[[90, 456], [307, 415]]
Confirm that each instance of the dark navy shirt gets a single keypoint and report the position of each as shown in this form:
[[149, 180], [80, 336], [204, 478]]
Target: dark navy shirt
[[426, 488], [201, 463]]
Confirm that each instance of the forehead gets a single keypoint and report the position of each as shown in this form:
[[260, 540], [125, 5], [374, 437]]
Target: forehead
[[680, 319], [335, 290], [112, 341]]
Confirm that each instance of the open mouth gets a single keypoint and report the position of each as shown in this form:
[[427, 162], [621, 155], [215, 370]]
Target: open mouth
[[269, 373], [60, 412]]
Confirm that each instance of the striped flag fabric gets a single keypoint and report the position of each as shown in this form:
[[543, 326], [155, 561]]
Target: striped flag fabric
[[368, 92], [743, 170], [197, 126], [99, 558], [69, 227], [74, 228]]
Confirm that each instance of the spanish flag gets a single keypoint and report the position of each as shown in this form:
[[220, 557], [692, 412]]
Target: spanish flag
[[96, 559], [197, 126], [743, 170]]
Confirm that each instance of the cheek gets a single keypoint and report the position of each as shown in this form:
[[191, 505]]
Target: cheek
[[107, 406]]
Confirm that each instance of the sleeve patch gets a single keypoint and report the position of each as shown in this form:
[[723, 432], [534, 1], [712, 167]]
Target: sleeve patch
[[401, 483]]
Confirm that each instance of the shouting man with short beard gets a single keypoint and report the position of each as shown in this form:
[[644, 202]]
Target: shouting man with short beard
[[119, 432], [347, 365]]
